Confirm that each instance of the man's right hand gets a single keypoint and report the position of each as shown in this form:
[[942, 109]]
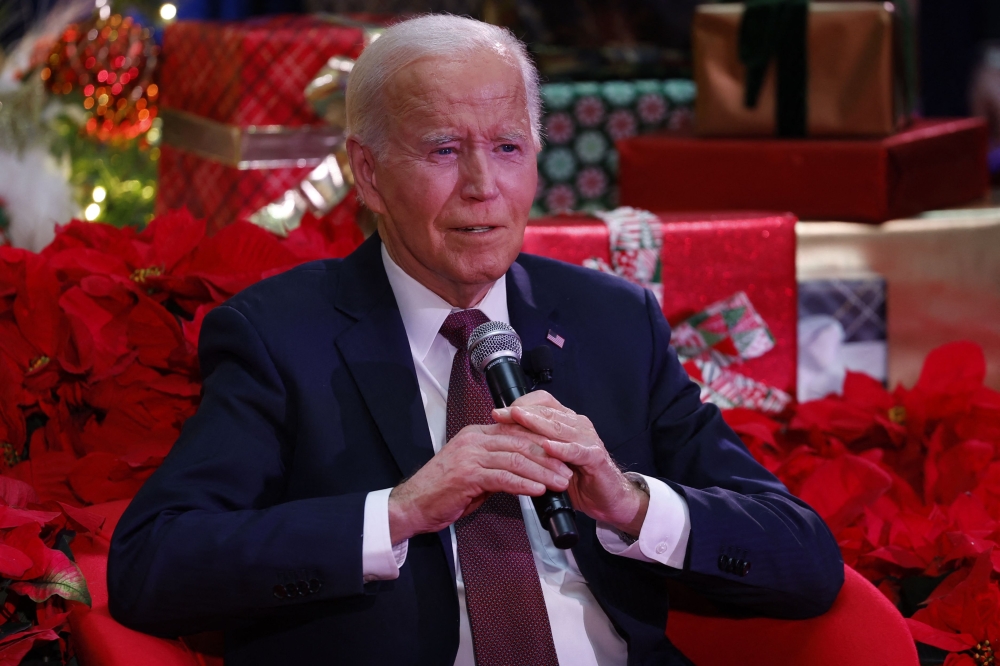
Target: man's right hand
[[478, 461]]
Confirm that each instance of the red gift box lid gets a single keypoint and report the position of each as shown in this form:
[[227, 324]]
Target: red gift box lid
[[933, 164]]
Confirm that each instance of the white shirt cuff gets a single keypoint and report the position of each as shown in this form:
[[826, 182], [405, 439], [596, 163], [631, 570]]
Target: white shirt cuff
[[380, 558], [663, 537]]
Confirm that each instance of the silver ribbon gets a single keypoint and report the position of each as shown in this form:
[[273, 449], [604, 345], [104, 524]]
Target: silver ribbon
[[324, 187]]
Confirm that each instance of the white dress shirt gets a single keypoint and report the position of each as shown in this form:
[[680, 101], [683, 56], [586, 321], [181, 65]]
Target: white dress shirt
[[582, 633]]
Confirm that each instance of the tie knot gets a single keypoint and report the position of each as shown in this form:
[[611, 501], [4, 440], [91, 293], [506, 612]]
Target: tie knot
[[459, 326]]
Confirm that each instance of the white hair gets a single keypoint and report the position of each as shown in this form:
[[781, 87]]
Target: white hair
[[440, 35]]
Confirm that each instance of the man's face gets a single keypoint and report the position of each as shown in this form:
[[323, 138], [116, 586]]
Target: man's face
[[458, 175]]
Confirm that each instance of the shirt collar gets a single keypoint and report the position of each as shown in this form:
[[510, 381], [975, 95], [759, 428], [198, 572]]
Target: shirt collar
[[424, 312]]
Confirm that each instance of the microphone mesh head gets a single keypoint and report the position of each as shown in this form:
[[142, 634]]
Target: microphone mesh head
[[490, 338]]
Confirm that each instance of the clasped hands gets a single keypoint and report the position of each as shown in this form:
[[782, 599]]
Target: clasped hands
[[537, 444]]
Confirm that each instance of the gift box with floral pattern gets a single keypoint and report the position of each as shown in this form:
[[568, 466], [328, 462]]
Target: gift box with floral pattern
[[578, 166]]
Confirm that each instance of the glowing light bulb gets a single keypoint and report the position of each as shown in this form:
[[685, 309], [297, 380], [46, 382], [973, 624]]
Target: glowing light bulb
[[168, 12], [91, 212], [99, 194]]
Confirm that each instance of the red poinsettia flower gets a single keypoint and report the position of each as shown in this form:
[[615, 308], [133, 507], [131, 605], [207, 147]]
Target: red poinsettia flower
[[14, 647], [840, 488], [962, 612], [951, 377], [331, 236], [34, 330], [47, 473], [864, 415]]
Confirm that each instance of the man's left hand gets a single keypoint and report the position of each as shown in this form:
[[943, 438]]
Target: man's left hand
[[597, 487]]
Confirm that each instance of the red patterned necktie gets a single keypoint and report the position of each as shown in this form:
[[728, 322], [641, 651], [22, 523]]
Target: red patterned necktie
[[510, 626]]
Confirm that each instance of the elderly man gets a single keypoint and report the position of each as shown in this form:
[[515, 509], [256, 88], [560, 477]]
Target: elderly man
[[346, 494]]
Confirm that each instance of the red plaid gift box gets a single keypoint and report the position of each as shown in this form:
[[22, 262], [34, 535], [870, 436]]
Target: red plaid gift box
[[251, 72], [239, 132], [705, 259]]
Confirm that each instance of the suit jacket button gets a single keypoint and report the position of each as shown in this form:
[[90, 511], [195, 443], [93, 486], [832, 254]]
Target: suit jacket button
[[292, 590], [745, 569], [303, 588], [314, 585], [279, 591], [722, 562]]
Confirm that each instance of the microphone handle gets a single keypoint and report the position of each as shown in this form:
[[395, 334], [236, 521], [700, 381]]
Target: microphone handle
[[507, 383]]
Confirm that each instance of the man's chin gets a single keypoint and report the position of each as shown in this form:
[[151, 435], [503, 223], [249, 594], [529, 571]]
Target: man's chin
[[482, 268]]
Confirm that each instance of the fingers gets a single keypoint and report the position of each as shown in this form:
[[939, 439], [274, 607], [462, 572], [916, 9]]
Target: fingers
[[533, 451], [554, 423], [573, 453], [539, 397], [522, 469], [503, 481]]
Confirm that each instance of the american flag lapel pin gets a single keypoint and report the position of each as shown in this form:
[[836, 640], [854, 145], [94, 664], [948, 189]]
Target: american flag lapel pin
[[556, 339]]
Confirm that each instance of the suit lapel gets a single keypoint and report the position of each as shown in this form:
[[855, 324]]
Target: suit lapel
[[377, 354], [530, 313]]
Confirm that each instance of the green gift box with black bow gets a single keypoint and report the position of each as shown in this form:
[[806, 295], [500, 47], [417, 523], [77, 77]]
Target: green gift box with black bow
[[791, 68]]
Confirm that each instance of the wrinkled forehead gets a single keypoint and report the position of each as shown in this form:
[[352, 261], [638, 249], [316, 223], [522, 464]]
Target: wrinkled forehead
[[485, 89]]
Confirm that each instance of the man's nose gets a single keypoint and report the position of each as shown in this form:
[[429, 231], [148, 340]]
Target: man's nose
[[478, 178]]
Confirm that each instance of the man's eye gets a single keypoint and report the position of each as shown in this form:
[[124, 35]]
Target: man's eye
[[508, 147], [444, 151]]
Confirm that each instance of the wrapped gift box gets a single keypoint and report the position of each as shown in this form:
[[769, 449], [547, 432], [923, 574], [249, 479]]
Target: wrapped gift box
[[253, 72], [238, 130], [705, 260], [942, 274], [933, 164], [851, 80], [578, 167], [842, 326]]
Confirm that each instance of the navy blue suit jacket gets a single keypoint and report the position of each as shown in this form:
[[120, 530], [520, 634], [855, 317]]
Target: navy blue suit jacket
[[253, 524]]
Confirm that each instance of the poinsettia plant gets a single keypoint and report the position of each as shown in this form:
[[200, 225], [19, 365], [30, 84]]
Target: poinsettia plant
[[98, 341], [37, 574], [909, 483]]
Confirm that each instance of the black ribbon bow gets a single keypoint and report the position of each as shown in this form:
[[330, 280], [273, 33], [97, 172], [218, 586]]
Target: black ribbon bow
[[776, 30]]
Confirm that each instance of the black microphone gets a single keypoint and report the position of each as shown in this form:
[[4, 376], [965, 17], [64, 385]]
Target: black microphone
[[495, 350]]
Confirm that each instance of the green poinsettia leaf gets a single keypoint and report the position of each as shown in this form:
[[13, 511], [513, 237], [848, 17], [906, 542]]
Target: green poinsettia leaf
[[61, 578]]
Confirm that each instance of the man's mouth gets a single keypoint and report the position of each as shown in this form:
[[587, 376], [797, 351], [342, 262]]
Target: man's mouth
[[475, 230]]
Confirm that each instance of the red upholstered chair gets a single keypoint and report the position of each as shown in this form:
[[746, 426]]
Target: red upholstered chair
[[862, 628], [99, 640]]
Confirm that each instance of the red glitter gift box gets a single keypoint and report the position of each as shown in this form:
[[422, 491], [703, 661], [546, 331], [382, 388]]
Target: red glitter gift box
[[238, 130], [934, 164], [706, 258]]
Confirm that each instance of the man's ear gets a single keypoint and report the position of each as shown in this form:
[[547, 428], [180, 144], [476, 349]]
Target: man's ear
[[363, 167]]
